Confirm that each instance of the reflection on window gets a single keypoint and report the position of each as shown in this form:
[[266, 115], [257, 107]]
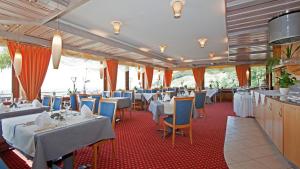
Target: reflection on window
[[183, 78], [258, 76], [87, 75], [5, 73], [224, 77], [157, 80]]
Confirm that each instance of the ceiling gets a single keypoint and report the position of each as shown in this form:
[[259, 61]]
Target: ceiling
[[236, 29]]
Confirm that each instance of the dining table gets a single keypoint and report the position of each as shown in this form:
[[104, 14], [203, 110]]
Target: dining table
[[243, 104], [58, 140]]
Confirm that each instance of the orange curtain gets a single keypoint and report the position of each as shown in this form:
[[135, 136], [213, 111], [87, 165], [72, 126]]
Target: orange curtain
[[149, 76], [168, 77], [199, 76], [241, 71], [112, 73], [35, 61]]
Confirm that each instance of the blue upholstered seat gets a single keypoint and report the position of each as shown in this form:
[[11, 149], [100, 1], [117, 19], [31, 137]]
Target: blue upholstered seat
[[57, 103], [154, 91], [97, 101], [118, 94], [108, 109], [140, 91], [73, 102], [81, 96], [200, 100], [130, 95], [46, 101], [106, 94], [147, 91], [90, 103]]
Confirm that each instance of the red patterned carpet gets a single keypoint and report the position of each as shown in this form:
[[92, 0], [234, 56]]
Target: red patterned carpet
[[139, 145]]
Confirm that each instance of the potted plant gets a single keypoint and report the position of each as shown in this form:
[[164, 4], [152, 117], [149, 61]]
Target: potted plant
[[289, 53], [285, 81]]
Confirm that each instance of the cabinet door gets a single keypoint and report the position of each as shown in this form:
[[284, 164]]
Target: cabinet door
[[268, 117], [277, 125], [259, 115], [291, 131]]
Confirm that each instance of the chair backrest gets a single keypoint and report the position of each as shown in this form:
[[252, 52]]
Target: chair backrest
[[147, 91], [73, 102], [140, 91], [81, 96], [183, 107], [200, 99], [117, 94], [108, 108], [97, 98], [46, 100], [130, 95], [57, 103], [154, 91], [89, 102], [106, 94]]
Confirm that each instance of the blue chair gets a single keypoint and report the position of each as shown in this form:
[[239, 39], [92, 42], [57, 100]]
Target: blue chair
[[154, 91], [73, 102], [147, 91], [108, 109], [200, 101], [181, 117], [117, 94], [46, 100], [97, 98], [56, 105], [106, 94], [129, 94], [81, 96], [140, 91], [90, 103]]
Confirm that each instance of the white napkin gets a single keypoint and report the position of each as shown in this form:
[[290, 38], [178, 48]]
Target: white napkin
[[262, 99], [256, 96], [192, 93], [43, 120], [167, 98], [36, 103], [186, 93], [172, 101], [86, 111]]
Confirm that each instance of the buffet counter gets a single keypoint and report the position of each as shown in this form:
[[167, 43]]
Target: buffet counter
[[279, 117]]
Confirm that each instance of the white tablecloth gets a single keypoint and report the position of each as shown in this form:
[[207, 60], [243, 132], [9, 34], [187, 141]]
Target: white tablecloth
[[242, 105], [211, 92]]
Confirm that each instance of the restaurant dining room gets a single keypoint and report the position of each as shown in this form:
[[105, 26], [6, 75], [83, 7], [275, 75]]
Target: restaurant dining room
[[129, 84]]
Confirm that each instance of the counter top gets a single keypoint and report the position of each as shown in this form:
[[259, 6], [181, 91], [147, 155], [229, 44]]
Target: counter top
[[286, 99]]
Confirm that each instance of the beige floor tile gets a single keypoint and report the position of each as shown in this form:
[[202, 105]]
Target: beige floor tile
[[274, 162], [248, 165]]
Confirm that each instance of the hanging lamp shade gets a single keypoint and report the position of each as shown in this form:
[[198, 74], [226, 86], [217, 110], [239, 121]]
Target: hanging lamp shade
[[18, 62], [177, 6], [56, 49]]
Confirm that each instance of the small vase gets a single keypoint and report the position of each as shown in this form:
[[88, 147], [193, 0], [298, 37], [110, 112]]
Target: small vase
[[284, 91]]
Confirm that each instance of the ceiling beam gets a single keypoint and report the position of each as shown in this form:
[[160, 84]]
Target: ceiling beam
[[249, 31], [250, 53], [47, 43], [68, 28]]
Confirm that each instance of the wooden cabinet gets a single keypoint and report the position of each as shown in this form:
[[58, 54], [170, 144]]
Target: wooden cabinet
[[268, 117], [291, 131], [277, 124], [259, 114]]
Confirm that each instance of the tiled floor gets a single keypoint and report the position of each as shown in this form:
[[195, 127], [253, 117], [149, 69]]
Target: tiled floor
[[247, 147]]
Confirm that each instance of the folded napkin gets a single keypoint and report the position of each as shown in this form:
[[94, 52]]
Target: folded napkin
[[192, 93], [186, 93], [256, 96], [86, 111], [262, 99], [172, 101], [3, 108], [167, 98], [36, 103], [43, 121]]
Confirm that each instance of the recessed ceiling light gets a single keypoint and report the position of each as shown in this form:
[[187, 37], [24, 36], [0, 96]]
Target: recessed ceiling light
[[116, 26], [177, 6], [202, 42], [211, 54], [162, 48], [144, 49]]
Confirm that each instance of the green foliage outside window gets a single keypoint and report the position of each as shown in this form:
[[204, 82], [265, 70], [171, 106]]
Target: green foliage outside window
[[4, 60]]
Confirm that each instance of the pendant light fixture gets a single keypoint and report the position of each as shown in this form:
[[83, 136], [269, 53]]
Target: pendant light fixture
[[56, 46], [116, 26], [18, 62], [177, 6]]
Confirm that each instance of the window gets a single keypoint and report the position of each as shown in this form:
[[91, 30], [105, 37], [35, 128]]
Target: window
[[86, 71], [121, 78], [224, 77], [258, 76], [183, 78], [157, 80], [5, 73], [133, 78]]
